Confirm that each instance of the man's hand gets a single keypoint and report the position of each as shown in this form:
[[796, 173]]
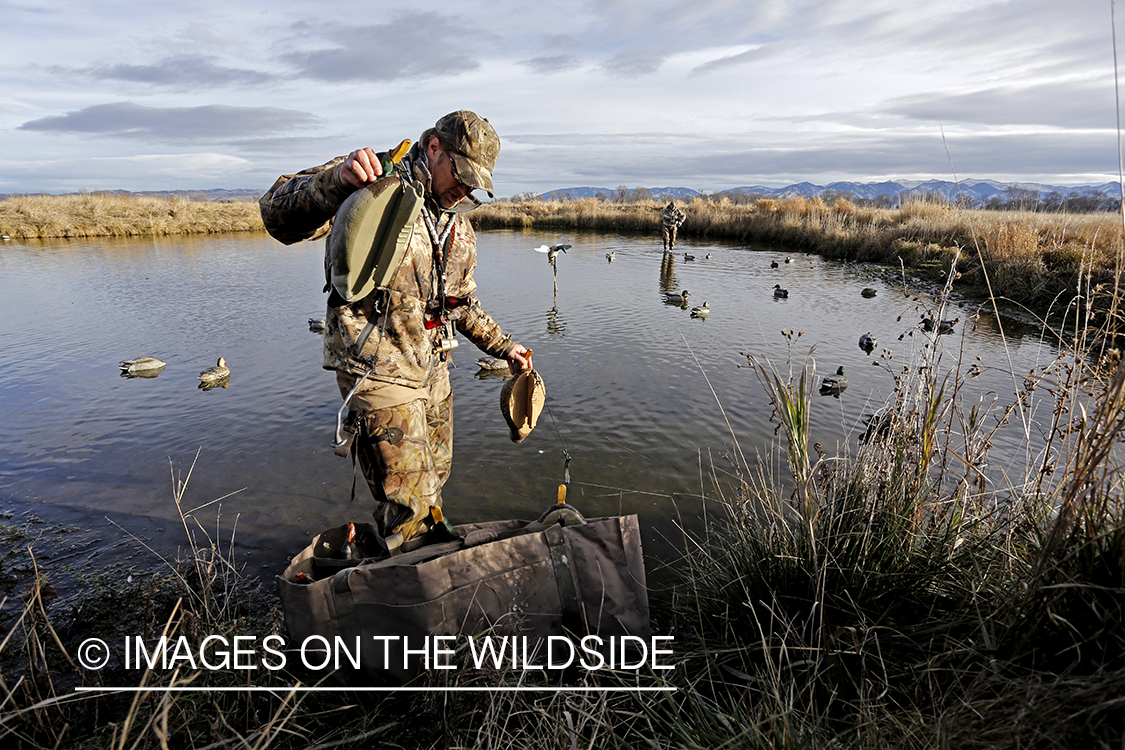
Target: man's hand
[[360, 167], [519, 359]]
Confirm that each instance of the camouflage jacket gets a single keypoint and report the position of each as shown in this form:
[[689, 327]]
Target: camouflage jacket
[[301, 206], [673, 217]]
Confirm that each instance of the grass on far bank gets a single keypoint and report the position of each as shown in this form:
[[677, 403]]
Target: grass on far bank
[[111, 215], [1029, 257]]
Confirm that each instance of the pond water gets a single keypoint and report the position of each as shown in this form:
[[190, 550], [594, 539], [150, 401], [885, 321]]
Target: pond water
[[647, 401]]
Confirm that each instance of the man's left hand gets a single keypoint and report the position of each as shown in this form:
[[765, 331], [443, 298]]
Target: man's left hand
[[519, 359]]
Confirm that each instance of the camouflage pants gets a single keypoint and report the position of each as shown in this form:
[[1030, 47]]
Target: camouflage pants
[[405, 453], [669, 237]]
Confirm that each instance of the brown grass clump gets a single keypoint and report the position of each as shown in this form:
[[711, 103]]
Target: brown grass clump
[[111, 215]]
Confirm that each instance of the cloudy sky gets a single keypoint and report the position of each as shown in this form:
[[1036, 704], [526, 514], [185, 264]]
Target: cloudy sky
[[707, 94]]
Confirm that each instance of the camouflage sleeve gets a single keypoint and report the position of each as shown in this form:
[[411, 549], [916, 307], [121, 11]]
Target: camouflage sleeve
[[301, 206], [472, 320], [480, 328]]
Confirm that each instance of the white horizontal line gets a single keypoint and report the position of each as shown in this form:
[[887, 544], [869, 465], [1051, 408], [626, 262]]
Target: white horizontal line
[[310, 689]]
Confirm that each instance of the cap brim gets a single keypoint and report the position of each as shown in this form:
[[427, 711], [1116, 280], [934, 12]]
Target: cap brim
[[472, 174]]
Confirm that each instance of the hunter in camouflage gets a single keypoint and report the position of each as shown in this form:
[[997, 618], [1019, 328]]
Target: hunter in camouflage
[[670, 221], [401, 412]]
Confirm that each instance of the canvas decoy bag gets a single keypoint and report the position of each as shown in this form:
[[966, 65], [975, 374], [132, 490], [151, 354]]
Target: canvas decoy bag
[[555, 576]]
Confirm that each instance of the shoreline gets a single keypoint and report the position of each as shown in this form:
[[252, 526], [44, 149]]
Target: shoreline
[[1032, 260]]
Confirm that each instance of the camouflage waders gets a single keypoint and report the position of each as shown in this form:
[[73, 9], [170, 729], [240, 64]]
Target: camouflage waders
[[405, 453], [669, 237]]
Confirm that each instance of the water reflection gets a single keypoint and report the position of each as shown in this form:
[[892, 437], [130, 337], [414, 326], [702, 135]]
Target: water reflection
[[209, 385], [628, 401], [667, 273], [556, 324]]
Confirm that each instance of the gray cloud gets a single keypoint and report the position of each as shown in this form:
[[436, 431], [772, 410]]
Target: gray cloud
[[731, 61], [613, 160], [632, 63], [173, 124], [181, 71], [414, 46], [552, 63], [1056, 104]]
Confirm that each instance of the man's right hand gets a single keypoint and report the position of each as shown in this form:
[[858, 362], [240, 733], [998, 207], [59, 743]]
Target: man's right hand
[[360, 167]]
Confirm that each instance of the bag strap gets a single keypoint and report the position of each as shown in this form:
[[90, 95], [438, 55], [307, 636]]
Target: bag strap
[[561, 556], [345, 604]]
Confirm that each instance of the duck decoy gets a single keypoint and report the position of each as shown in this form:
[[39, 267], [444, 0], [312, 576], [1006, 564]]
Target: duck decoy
[[677, 299], [552, 251], [867, 342], [877, 424], [316, 325], [708, 256], [834, 385], [787, 260], [688, 257], [611, 255], [869, 292], [773, 264], [779, 292], [943, 326], [141, 364], [492, 364], [700, 312], [217, 373]]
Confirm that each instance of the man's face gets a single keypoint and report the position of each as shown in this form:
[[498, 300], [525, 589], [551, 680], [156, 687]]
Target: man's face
[[446, 188]]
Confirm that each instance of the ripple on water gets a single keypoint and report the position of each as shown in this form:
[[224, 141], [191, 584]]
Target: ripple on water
[[634, 385]]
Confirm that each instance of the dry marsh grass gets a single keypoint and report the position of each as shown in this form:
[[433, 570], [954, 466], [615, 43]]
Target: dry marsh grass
[[109, 215], [1029, 257]]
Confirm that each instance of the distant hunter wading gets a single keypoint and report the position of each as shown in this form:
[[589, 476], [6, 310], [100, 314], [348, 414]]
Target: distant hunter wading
[[389, 345], [670, 221]]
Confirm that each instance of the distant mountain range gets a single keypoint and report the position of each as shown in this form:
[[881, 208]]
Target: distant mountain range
[[978, 190]]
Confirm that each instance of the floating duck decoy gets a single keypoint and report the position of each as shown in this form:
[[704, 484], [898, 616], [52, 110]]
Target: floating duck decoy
[[773, 264], [779, 292], [877, 424], [688, 257], [215, 374], [700, 312], [677, 299], [316, 325], [787, 260], [492, 364], [834, 385], [869, 292], [611, 255], [142, 363], [943, 326], [867, 342]]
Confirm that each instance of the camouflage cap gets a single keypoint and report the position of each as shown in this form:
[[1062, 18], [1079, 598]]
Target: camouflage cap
[[475, 147]]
